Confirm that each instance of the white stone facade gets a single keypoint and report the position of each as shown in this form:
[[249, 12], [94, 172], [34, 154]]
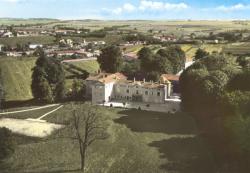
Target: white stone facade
[[114, 87]]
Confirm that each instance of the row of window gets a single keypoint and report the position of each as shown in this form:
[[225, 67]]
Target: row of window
[[146, 93]]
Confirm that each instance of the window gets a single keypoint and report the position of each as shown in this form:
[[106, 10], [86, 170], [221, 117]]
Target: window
[[146, 92], [127, 91], [137, 92], [158, 94]]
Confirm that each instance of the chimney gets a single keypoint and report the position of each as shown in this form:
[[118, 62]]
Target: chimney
[[144, 80], [134, 79]]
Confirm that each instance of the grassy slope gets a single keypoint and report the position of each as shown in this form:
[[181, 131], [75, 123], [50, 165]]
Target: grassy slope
[[140, 142], [89, 66], [17, 75]]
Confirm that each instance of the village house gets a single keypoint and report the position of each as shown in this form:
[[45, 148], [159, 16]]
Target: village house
[[106, 87], [7, 34], [66, 42], [34, 46]]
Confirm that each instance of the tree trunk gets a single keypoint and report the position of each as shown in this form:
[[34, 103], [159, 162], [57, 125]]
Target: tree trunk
[[83, 150]]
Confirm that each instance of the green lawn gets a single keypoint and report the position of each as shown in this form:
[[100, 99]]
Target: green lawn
[[30, 114], [139, 142]]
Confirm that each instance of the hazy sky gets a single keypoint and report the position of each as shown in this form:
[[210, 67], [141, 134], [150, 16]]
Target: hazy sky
[[126, 9]]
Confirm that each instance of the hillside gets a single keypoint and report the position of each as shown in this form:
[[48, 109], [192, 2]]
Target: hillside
[[16, 74]]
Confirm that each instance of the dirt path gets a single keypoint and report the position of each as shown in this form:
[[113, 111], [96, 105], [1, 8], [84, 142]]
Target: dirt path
[[43, 116], [27, 110]]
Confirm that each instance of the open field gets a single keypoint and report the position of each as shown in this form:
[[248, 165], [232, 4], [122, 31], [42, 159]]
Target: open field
[[13, 41], [237, 48], [177, 27], [138, 142], [13, 21]]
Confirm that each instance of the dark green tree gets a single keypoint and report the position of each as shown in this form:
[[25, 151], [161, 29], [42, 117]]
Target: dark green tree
[[48, 79], [110, 59], [162, 64], [175, 57], [146, 56], [78, 90], [153, 76], [200, 53]]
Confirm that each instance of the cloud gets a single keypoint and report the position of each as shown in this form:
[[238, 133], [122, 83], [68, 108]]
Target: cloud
[[236, 7], [128, 7], [125, 8], [145, 5], [158, 5]]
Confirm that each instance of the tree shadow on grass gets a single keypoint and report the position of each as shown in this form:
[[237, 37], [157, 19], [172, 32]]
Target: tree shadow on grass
[[185, 155], [155, 122], [21, 103], [54, 171]]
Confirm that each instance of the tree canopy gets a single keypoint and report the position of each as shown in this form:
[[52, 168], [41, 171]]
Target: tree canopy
[[47, 79], [110, 59], [200, 53], [216, 91], [169, 60]]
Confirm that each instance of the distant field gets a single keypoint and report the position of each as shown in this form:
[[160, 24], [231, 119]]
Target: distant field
[[26, 40], [237, 48], [139, 142], [17, 75], [6, 21], [177, 27]]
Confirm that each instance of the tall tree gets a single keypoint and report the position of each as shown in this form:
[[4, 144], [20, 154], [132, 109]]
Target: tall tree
[[110, 59], [47, 79], [88, 127], [146, 56], [78, 90]]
